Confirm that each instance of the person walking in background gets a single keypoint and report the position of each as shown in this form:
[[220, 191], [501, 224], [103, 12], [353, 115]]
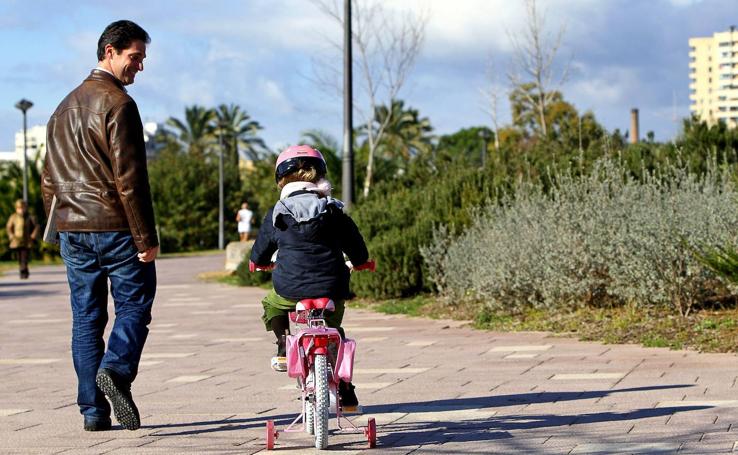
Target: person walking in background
[[244, 221], [96, 170], [22, 232]]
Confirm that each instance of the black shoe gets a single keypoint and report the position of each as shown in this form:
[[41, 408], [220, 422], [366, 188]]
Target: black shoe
[[347, 394], [119, 394], [97, 424]]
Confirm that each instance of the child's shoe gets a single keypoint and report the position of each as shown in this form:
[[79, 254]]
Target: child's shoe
[[349, 402], [279, 362]]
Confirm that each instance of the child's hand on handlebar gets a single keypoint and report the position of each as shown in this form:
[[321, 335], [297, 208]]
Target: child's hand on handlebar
[[260, 268], [368, 265]]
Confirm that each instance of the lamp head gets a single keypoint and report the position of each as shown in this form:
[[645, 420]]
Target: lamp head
[[24, 105]]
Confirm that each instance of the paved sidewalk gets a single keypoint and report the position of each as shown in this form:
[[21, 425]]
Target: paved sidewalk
[[433, 386]]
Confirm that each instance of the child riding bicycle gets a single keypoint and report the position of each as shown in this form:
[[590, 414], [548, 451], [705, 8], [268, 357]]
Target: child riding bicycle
[[312, 233]]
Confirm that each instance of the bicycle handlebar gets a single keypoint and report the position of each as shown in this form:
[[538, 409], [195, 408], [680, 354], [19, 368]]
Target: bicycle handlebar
[[260, 268], [369, 265]]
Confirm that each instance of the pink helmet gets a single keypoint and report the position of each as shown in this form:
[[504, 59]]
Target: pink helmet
[[298, 157]]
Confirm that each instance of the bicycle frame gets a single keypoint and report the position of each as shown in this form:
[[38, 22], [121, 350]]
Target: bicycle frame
[[312, 340], [317, 348]]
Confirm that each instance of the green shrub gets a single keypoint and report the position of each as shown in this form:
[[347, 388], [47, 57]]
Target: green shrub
[[246, 278], [723, 261], [603, 238], [396, 220]]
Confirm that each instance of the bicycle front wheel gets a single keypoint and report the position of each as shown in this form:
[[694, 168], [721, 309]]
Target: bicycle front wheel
[[322, 401], [309, 404]]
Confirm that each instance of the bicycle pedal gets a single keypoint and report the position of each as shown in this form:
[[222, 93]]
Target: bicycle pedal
[[352, 410]]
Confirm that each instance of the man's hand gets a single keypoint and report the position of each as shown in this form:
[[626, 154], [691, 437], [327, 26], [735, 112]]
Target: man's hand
[[148, 255]]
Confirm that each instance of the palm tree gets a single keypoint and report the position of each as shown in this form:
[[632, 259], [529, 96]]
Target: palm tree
[[240, 133], [196, 133], [406, 134], [328, 147]]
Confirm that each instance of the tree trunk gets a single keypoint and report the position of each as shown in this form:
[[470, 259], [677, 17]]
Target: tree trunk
[[542, 113], [369, 171]]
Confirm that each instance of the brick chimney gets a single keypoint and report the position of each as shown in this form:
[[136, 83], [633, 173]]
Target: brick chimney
[[633, 126]]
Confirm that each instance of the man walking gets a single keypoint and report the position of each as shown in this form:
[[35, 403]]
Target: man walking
[[96, 169]]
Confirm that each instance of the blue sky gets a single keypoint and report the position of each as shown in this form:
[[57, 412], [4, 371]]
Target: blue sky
[[261, 54]]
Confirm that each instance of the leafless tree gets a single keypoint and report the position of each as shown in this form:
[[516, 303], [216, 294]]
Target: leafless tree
[[491, 100], [386, 45], [534, 52]]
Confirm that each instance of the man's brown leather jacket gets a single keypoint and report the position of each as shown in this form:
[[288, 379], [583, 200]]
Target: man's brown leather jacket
[[96, 163]]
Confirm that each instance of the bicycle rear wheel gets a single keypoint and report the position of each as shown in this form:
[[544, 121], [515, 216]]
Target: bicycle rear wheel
[[322, 401]]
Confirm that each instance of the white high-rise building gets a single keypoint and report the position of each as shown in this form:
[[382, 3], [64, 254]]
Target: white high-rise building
[[36, 143], [713, 74]]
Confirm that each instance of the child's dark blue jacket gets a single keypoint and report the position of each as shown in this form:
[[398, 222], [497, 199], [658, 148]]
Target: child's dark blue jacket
[[311, 233]]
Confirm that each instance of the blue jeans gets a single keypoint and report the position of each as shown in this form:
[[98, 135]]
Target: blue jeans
[[93, 259]]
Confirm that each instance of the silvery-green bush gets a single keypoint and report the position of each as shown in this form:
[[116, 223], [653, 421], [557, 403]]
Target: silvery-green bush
[[601, 238]]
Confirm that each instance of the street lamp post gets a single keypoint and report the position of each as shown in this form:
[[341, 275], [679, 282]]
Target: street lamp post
[[221, 233], [347, 170], [24, 105]]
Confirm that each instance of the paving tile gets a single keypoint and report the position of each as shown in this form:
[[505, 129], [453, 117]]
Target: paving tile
[[586, 376], [632, 447], [192, 378], [27, 361], [10, 412], [520, 348]]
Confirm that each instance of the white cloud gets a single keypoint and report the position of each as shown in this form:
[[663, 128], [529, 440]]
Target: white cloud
[[275, 96], [484, 26], [192, 89], [255, 26], [608, 85], [684, 3]]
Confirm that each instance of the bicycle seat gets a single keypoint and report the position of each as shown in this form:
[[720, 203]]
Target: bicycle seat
[[323, 303]]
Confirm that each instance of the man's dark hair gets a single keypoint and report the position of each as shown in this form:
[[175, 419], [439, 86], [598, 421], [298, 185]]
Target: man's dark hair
[[120, 35]]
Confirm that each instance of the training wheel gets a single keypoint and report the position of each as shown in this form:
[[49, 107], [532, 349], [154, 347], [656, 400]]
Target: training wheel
[[371, 433], [271, 434]]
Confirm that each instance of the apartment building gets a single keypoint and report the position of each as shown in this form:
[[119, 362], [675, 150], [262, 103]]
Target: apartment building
[[713, 77], [35, 144]]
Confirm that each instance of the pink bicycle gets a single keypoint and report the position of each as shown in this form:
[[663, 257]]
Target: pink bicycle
[[319, 359]]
